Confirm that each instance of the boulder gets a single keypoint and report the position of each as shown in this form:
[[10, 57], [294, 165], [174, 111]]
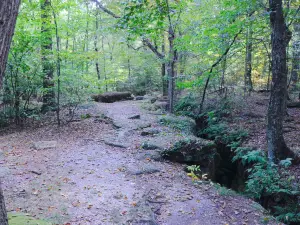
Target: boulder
[[194, 152], [149, 132], [149, 146], [191, 151], [41, 145], [149, 155], [110, 97]]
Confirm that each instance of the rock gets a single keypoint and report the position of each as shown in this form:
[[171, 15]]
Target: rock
[[149, 146], [117, 124], [161, 105], [197, 151], [148, 169], [141, 214], [153, 100], [139, 98], [110, 97], [146, 155], [180, 123], [194, 152], [135, 117], [116, 144], [144, 125], [41, 145], [149, 131]]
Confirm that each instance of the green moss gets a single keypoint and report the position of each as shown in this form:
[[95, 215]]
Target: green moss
[[24, 219], [179, 123]]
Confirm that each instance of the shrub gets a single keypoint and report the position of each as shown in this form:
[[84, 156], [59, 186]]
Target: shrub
[[271, 184], [187, 106]]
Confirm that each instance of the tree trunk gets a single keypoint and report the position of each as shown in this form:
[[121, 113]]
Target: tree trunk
[[296, 56], [96, 46], [224, 67], [163, 74], [171, 71], [277, 148], [248, 61], [87, 34], [104, 63], [46, 51], [3, 215], [8, 16], [129, 64]]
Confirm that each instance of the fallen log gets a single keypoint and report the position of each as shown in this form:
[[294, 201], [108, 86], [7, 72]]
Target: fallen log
[[110, 97]]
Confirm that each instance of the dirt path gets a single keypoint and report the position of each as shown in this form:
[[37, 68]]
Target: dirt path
[[86, 180]]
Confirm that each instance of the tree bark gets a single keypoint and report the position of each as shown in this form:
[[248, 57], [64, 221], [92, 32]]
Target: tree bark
[[3, 215], [8, 16], [171, 70], [296, 56], [248, 61], [277, 148], [163, 73], [96, 46], [46, 51]]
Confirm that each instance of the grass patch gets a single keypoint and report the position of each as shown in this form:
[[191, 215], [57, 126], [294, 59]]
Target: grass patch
[[24, 219]]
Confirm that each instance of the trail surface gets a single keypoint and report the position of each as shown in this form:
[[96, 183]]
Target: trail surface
[[97, 173]]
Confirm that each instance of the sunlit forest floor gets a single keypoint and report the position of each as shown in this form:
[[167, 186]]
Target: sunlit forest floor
[[96, 172]]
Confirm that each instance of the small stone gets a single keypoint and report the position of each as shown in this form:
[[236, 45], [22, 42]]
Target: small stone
[[116, 144], [139, 98], [145, 170], [149, 146], [144, 125], [41, 145], [135, 117], [153, 100], [149, 131]]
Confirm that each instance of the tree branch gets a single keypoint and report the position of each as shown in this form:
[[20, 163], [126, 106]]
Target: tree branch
[[213, 66], [100, 6], [297, 11], [147, 43]]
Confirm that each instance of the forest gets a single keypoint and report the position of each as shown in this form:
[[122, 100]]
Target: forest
[[149, 112]]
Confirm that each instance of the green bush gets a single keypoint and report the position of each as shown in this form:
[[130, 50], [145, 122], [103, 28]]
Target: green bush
[[187, 106], [271, 184], [221, 132]]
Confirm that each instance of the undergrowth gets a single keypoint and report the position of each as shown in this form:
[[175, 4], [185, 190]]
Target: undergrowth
[[183, 124], [271, 185], [220, 131]]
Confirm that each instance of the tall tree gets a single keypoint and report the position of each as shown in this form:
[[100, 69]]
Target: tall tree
[[296, 56], [8, 16], [277, 148], [96, 45], [248, 61], [46, 51]]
